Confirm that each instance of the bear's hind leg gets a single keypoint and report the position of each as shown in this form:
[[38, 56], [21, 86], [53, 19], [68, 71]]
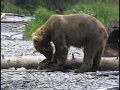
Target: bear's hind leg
[[89, 54], [97, 59]]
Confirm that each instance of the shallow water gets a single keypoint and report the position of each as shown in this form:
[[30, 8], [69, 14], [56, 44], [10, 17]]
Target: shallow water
[[17, 18], [13, 31]]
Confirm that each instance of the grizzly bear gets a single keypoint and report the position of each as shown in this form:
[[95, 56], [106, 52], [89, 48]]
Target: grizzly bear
[[78, 30]]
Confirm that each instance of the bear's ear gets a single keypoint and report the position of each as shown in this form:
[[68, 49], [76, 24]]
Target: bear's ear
[[35, 38]]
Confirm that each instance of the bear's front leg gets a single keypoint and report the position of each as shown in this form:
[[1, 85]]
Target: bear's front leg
[[48, 53], [60, 56]]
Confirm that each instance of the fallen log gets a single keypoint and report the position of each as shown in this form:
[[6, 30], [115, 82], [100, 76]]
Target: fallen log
[[28, 62], [31, 62]]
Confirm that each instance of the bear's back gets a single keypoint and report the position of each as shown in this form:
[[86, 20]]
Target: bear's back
[[77, 19], [79, 26]]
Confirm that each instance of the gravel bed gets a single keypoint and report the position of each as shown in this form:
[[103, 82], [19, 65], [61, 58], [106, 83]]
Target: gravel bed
[[12, 27], [16, 47], [21, 48], [56, 81]]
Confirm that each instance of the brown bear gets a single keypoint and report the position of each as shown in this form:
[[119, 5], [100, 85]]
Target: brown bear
[[79, 30]]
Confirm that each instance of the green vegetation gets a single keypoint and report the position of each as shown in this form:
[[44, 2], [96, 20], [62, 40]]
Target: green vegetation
[[10, 8], [41, 15], [103, 12], [57, 6]]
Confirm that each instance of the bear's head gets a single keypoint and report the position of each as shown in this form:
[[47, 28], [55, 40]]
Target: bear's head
[[41, 42]]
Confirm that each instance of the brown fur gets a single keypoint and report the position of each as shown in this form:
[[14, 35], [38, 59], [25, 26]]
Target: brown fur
[[79, 30]]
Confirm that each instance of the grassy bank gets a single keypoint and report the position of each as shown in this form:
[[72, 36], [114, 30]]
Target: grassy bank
[[41, 15], [103, 12]]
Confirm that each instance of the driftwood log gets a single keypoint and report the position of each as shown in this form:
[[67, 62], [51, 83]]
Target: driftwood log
[[31, 62]]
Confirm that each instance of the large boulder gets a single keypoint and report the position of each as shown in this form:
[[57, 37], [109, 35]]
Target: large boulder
[[112, 46]]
